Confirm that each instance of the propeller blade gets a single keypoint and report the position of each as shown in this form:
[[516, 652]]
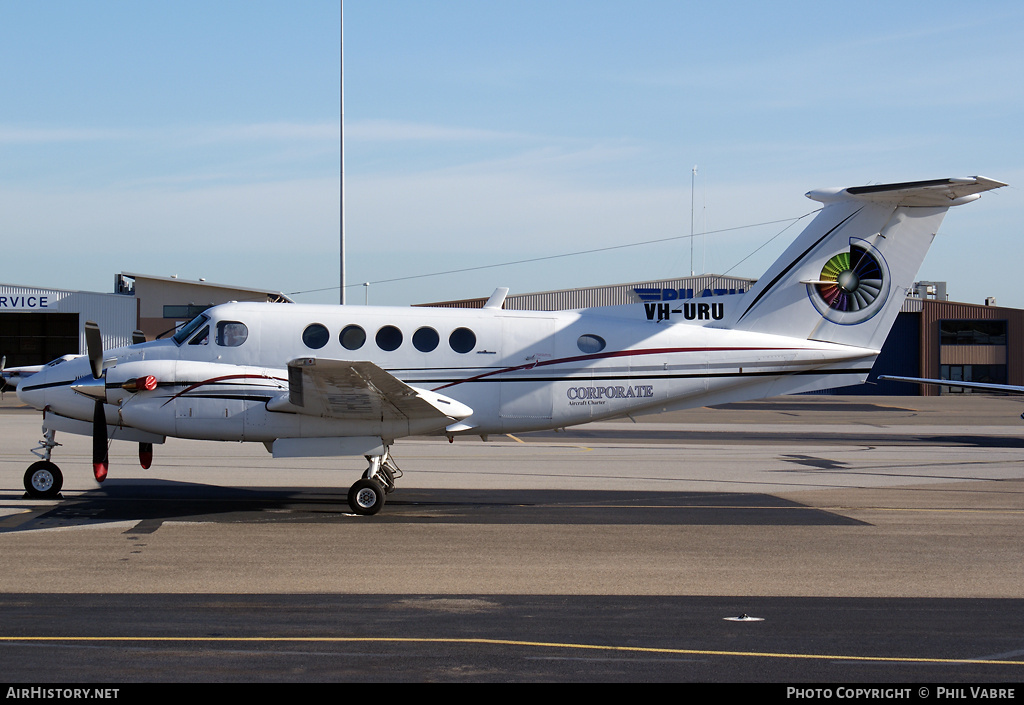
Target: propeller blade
[[94, 346], [145, 455], [138, 337], [100, 461]]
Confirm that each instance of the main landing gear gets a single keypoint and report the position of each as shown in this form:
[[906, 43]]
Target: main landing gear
[[43, 479], [366, 496]]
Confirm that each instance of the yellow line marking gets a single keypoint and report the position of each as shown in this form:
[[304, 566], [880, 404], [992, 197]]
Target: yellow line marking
[[991, 510], [509, 642], [626, 505], [557, 445], [12, 521]]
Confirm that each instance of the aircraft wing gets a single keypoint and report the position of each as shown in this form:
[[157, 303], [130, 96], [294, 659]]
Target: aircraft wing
[[989, 386], [361, 391]]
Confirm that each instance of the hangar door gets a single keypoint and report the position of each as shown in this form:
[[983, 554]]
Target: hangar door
[[37, 338]]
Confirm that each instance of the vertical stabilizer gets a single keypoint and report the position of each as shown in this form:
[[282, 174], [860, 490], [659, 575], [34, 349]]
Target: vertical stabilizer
[[846, 276]]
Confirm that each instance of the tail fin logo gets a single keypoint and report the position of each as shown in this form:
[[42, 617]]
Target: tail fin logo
[[853, 285]]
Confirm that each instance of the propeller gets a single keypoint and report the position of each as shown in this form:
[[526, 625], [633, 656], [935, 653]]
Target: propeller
[[94, 348], [100, 459], [96, 388], [145, 455]]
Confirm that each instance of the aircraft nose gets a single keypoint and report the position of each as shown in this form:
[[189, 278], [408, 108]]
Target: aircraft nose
[[42, 388], [31, 392]]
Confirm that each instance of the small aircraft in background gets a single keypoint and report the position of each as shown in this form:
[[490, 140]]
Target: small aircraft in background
[[10, 377], [309, 380]]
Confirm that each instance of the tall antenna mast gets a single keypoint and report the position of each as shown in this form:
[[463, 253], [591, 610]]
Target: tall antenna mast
[[704, 226], [693, 178]]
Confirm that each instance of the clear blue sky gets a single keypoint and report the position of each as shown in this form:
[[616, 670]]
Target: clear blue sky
[[202, 138]]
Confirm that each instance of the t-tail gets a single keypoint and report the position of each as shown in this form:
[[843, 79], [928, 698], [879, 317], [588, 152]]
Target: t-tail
[[846, 276]]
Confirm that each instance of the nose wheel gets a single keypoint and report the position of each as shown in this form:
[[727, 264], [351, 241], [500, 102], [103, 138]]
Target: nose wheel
[[43, 480]]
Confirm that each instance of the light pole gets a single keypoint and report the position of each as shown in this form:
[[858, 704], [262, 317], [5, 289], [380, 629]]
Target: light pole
[[341, 279]]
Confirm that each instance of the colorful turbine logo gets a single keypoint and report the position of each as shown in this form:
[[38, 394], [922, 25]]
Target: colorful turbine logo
[[852, 287]]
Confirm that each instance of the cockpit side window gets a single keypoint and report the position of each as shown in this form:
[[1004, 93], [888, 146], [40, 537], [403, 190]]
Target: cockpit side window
[[231, 334], [201, 338], [189, 328]]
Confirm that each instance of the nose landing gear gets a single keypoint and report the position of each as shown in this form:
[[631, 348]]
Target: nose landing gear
[[43, 479]]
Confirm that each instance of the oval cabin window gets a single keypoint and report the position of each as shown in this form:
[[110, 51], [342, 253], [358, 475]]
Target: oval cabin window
[[315, 336], [425, 339], [389, 338], [462, 340], [590, 343], [352, 337]]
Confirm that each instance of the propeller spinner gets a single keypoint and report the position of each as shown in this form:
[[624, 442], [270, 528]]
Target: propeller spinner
[[96, 388]]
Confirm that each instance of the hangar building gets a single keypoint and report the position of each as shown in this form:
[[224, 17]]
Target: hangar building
[[41, 324], [615, 294], [164, 303]]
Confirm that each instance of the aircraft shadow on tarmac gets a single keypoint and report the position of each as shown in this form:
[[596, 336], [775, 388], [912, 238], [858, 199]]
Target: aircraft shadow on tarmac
[[867, 436], [976, 441], [149, 503]]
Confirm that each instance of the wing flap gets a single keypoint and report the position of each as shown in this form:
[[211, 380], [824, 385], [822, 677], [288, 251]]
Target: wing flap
[[362, 391]]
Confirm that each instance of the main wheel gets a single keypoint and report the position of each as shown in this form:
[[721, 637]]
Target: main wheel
[[43, 480], [366, 497]]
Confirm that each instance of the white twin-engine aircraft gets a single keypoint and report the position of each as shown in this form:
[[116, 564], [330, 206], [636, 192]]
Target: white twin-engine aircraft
[[310, 380]]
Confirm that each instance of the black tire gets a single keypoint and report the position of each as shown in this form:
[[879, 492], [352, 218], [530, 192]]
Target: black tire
[[366, 497], [43, 480]]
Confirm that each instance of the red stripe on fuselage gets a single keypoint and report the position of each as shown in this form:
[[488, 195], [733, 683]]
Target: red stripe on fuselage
[[602, 356]]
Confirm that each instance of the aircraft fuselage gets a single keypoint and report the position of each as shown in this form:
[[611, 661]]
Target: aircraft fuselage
[[516, 371]]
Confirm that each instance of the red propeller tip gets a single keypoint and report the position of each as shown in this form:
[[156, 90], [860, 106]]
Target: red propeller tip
[[100, 471]]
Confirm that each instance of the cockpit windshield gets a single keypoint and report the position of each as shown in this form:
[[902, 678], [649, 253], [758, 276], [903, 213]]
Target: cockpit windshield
[[186, 330]]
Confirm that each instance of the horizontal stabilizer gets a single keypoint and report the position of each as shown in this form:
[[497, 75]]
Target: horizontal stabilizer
[[937, 192], [985, 386]]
